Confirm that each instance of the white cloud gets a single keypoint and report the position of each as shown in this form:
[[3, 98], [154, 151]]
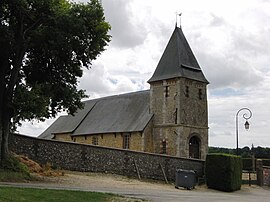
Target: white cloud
[[99, 82], [124, 27]]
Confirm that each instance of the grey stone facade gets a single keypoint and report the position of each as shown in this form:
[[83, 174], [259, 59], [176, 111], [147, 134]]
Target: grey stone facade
[[178, 116]]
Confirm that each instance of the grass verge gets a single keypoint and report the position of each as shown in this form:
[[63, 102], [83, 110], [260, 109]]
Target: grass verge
[[14, 171], [13, 176], [12, 194]]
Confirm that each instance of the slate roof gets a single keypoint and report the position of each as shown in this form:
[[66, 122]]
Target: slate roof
[[121, 113], [68, 123], [178, 60]]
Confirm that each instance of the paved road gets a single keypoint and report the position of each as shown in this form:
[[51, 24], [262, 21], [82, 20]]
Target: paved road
[[158, 192]]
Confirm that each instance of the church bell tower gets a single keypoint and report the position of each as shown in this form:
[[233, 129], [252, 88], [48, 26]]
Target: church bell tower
[[178, 100]]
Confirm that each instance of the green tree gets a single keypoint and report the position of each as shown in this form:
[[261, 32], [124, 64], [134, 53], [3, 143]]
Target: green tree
[[44, 45]]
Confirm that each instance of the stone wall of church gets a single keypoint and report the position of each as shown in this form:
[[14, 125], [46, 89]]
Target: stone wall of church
[[180, 111], [177, 138], [114, 140], [193, 115], [163, 95], [63, 137], [147, 138], [165, 133], [83, 157], [189, 132], [193, 103]]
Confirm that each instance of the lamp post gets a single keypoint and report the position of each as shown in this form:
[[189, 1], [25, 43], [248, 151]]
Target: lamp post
[[246, 117]]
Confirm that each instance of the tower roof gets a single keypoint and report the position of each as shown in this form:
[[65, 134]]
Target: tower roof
[[178, 60]]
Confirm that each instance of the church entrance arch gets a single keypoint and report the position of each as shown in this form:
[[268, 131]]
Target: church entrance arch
[[194, 147]]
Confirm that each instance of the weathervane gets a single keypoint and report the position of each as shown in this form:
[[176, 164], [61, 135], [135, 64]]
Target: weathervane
[[176, 15]]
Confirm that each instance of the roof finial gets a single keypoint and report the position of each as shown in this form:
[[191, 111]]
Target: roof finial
[[175, 19], [180, 14], [176, 15]]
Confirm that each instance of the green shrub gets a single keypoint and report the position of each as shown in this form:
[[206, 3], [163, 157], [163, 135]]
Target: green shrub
[[14, 171], [266, 162], [14, 176], [13, 164], [247, 163], [223, 172]]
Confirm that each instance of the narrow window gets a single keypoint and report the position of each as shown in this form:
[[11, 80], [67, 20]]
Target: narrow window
[[187, 91], [175, 115], [95, 140], [126, 141], [164, 146], [200, 94], [194, 147], [166, 91]]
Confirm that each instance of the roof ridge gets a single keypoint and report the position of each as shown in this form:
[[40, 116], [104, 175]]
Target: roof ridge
[[117, 95], [178, 51]]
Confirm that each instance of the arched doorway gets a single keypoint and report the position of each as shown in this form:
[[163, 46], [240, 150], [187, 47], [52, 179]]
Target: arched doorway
[[194, 147]]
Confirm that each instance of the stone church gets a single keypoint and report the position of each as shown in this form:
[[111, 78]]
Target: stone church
[[171, 118]]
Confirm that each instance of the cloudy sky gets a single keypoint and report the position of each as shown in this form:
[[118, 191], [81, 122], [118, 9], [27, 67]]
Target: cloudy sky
[[230, 39]]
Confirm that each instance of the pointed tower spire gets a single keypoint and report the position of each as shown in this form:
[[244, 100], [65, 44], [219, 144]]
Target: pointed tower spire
[[178, 60]]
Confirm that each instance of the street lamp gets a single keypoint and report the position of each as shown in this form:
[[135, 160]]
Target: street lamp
[[246, 117]]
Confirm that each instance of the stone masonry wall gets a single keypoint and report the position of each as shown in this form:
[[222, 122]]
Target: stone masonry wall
[[114, 140], [180, 112], [83, 157]]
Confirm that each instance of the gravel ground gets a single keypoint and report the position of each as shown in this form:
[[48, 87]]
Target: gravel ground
[[101, 180], [135, 190]]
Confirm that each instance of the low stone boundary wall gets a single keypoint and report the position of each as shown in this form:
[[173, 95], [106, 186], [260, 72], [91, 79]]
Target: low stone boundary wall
[[83, 157], [266, 176]]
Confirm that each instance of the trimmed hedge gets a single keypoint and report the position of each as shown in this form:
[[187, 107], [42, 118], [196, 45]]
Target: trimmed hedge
[[223, 172]]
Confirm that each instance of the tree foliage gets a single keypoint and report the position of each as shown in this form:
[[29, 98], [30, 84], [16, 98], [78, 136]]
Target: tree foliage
[[44, 46], [258, 152]]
